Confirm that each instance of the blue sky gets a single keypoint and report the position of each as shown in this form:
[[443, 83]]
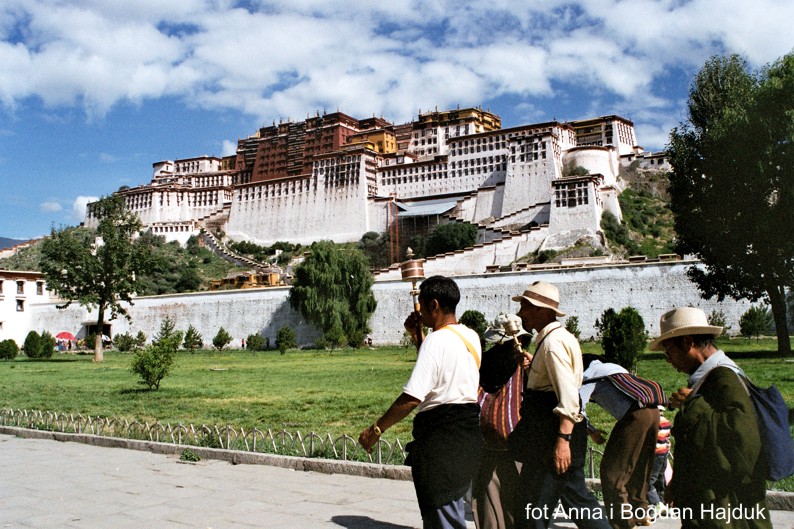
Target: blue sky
[[92, 92]]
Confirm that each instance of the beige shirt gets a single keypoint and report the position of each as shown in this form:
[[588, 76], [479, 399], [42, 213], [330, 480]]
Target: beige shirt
[[557, 367]]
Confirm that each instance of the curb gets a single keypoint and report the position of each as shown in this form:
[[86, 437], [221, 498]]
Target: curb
[[776, 500]]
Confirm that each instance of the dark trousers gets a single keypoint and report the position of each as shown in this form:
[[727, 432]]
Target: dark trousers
[[542, 488], [656, 483], [626, 465]]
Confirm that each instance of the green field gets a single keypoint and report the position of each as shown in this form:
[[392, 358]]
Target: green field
[[326, 392]]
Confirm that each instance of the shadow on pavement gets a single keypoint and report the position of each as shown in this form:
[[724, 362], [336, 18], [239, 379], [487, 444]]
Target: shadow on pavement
[[364, 522]]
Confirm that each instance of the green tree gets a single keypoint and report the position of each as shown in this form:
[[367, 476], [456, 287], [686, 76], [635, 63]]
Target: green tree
[[475, 320], [376, 247], [451, 237], [193, 339], [32, 344], [572, 326], [154, 363], [285, 339], [755, 322], [332, 289], [222, 339], [623, 336], [97, 269], [732, 185]]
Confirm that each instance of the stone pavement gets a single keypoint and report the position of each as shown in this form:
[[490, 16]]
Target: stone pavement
[[52, 484]]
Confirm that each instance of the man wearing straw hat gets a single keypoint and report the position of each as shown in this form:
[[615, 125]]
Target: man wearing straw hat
[[718, 476], [551, 438]]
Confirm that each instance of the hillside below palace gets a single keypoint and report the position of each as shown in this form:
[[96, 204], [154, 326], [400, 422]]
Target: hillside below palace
[[336, 177]]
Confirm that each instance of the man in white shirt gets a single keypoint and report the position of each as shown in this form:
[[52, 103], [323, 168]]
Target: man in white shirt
[[447, 446]]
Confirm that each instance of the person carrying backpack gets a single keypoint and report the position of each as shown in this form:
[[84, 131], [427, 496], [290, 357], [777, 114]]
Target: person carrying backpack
[[719, 471]]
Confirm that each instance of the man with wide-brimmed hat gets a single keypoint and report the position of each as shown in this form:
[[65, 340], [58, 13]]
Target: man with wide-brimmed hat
[[551, 438], [718, 468]]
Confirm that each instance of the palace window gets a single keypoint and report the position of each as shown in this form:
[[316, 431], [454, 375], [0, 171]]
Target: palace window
[[20, 305], [20, 287]]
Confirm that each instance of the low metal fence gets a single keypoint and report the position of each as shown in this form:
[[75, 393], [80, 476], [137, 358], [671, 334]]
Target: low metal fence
[[282, 442]]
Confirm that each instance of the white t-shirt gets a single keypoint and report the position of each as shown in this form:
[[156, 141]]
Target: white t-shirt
[[445, 371]]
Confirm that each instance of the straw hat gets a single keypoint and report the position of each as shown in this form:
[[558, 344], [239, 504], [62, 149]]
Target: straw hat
[[542, 294], [497, 331], [683, 321]]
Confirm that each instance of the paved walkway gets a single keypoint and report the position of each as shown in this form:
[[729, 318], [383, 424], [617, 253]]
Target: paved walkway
[[52, 484]]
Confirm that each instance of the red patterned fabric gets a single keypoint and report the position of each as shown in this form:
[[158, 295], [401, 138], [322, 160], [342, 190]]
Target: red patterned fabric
[[646, 392], [499, 412]]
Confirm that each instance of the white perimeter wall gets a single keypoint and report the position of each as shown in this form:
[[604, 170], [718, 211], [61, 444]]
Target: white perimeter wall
[[652, 289]]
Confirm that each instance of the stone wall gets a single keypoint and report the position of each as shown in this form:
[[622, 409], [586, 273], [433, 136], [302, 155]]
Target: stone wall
[[651, 288]]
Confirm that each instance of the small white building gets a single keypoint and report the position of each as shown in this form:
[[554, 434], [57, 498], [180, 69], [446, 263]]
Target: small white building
[[19, 291]]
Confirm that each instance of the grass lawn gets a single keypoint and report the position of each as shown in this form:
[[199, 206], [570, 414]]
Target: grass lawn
[[335, 392]]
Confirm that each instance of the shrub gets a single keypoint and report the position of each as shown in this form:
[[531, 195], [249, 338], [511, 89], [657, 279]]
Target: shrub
[[189, 456], [140, 339], [572, 326], [8, 349], [475, 320], [755, 322], [32, 344], [222, 339], [193, 339], [286, 339], [47, 345], [623, 336], [125, 342], [155, 362], [257, 342], [717, 318]]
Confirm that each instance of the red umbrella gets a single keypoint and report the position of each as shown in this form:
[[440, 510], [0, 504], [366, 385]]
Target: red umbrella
[[65, 335]]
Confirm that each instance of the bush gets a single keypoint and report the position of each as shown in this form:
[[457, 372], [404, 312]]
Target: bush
[[32, 345], [140, 339], [222, 339], [451, 237], [572, 326], [475, 320], [154, 363], [47, 345], [257, 342], [623, 336], [717, 319], [8, 349], [755, 322], [125, 342], [193, 339], [286, 339]]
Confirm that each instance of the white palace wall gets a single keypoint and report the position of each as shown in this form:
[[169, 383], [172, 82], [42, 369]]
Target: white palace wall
[[651, 288]]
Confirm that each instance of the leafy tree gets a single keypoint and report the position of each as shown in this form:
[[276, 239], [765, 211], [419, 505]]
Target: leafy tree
[[286, 339], [154, 363], [623, 336], [732, 186], [451, 237], [140, 339], [193, 339], [376, 247], [8, 349], [80, 268], [755, 322], [475, 320], [222, 339], [47, 343], [332, 289]]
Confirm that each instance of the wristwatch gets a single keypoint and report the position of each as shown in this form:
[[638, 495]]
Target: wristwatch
[[376, 429], [565, 436]]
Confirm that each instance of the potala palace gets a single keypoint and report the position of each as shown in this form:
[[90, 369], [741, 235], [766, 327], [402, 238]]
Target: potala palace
[[336, 177]]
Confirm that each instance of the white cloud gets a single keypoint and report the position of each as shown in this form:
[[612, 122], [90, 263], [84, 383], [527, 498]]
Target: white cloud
[[286, 58], [79, 206], [229, 148], [50, 207]]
